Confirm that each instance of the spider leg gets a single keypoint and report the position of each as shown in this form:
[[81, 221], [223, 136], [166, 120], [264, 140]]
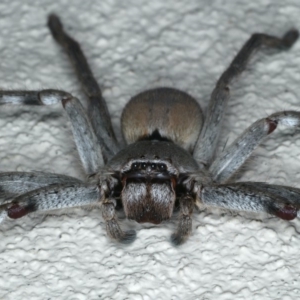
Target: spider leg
[[43, 97], [87, 144], [51, 197], [287, 192], [97, 109], [20, 192], [23, 193], [184, 228], [238, 152], [13, 184], [206, 145], [275, 200], [112, 226]]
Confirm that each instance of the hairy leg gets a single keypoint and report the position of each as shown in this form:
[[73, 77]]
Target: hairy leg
[[13, 184], [97, 109], [112, 226], [86, 141], [56, 196], [274, 200], [287, 192], [23, 193], [206, 145], [184, 228], [238, 152]]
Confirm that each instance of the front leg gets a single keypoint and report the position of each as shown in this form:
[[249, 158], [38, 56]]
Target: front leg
[[53, 197], [68, 193], [86, 141], [253, 198], [13, 184]]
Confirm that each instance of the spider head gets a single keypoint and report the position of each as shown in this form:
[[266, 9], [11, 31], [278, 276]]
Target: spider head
[[148, 190]]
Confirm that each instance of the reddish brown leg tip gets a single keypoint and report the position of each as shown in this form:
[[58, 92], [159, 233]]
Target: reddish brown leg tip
[[287, 212], [16, 211], [65, 100], [272, 125]]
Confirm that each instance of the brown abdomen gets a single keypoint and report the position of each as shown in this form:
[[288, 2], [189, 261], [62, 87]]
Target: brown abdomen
[[175, 115]]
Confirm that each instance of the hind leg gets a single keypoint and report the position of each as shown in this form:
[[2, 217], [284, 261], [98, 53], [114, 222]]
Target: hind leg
[[97, 109], [207, 142]]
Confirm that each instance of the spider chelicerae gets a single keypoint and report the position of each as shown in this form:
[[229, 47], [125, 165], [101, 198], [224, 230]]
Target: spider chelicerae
[[169, 158]]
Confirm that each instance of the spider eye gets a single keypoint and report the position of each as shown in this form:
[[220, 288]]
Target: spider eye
[[144, 166], [135, 166], [153, 166], [162, 167]]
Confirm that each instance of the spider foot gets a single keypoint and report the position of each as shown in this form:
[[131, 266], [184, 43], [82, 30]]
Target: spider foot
[[128, 237], [290, 38], [55, 25], [183, 231], [115, 232], [178, 239], [184, 228]]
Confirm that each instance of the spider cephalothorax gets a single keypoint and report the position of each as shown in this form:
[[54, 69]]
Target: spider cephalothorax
[[169, 156]]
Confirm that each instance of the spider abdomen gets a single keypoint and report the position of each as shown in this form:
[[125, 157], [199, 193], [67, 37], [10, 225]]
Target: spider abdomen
[[165, 112]]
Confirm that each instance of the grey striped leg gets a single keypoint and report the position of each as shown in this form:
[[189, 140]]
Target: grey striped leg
[[287, 192], [88, 146], [238, 152], [275, 200], [22, 193], [13, 184], [51, 197], [97, 109], [86, 141], [206, 145]]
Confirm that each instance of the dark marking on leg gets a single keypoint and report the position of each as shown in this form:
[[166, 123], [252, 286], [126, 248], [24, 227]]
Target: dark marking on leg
[[288, 212], [16, 211], [272, 125], [65, 100]]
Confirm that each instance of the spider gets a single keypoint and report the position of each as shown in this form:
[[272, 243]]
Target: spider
[[169, 158]]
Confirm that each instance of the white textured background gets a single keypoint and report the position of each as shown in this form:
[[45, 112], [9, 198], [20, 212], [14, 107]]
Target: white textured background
[[132, 46]]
